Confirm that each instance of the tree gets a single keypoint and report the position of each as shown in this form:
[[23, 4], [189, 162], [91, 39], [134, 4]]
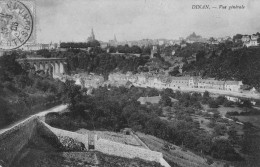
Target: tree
[[220, 100], [175, 71], [22, 81], [247, 103], [72, 95], [5, 116], [44, 53], [93, 43], [136, 49], [221, 148], [200, 55], [9, 67], [213, 104], [147, 50], [220, 129], [232, 134], [165, 101], [228, 103], [168, 92], [206, 94], [237, 37]]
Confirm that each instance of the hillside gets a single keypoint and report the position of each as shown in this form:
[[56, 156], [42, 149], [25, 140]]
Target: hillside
[[45, 146], [176, 156], [24, 92], [242, 64]]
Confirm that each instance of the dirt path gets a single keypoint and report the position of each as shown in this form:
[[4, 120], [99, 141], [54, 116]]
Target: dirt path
[[54, 109]]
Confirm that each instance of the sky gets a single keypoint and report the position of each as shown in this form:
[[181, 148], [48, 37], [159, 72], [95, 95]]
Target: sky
[[72, 20]]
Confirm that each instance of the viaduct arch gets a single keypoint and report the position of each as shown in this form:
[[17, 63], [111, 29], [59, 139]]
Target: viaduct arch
[[51, 66]]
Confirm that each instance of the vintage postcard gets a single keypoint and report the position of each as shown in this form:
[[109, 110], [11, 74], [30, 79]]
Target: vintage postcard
[[129, 83]]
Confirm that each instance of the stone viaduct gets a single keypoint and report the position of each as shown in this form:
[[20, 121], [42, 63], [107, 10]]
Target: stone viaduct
[[51, 66]]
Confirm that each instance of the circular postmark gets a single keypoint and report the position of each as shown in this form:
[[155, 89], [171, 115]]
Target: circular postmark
[[16, 24]]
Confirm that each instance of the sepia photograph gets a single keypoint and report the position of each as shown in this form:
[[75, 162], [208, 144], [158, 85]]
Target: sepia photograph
[[129, 83]]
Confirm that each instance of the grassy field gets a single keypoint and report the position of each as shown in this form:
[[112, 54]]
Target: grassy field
[[223, 110], [254, 119], [113, 136], [176, 156]]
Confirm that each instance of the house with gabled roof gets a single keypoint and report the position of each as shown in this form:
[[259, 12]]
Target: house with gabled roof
[[233, 86]]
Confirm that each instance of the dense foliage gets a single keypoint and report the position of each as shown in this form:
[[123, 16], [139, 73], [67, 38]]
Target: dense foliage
[[104, 63], [22, 92], [242, 64], [117, 108], [78, 45]]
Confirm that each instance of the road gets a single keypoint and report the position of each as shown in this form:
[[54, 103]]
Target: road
[[54, 109], [214, 91], [223, 92]]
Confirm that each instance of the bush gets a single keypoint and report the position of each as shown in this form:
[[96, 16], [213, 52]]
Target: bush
[[220, 129], [213, 104], [228, 104], [210, 161], [213, 110], [220, 100], [212, 124], [222, 148]]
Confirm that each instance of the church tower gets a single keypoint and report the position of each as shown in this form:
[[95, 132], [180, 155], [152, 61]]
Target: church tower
[[92, 36], [115, 40]]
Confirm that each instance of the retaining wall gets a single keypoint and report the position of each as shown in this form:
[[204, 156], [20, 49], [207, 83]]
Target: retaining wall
[[14, 139], [76, 136]]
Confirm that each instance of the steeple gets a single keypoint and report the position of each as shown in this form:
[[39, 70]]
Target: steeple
[[115, 38], [92, 34]]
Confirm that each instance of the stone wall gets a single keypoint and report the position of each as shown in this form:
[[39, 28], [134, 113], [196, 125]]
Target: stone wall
[[64, 133], [14, 139]]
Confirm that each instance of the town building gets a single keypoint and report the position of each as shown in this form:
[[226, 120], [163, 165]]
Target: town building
[[152, 100], [245, 38], [154, 51], [250, 41], [178, 82], [211, 83], [88, 81], [175, 83], [233, 86], [39, 46], [113, 42]]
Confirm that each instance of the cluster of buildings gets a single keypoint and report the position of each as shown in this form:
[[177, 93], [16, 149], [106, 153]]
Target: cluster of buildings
[[146, 42], [250, 40], [39, 46], [84, 80], [158, 81], [162, 82], [216, 41], [88, 80]]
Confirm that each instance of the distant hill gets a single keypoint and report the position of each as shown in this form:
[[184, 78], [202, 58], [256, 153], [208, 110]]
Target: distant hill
[[241, 64]]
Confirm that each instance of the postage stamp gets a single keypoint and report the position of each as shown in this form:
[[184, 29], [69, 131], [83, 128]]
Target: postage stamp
[[17, 23]]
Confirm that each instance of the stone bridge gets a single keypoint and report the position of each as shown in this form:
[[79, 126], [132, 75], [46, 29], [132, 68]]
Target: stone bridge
[[51, 66]]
